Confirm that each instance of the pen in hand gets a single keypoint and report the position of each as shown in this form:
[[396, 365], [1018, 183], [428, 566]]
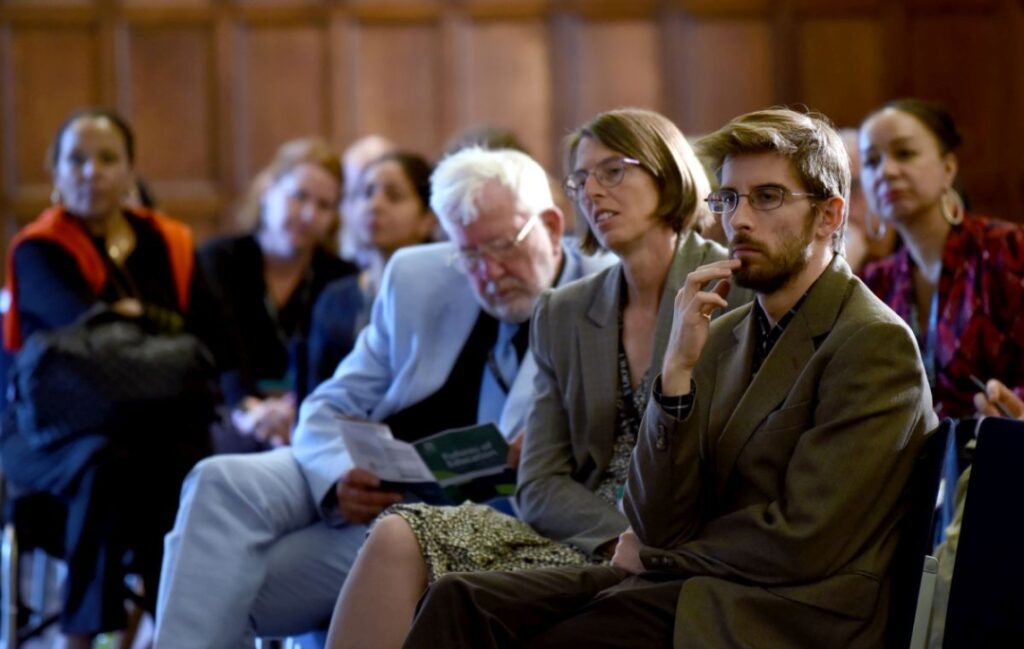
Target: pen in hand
[[984, 390]]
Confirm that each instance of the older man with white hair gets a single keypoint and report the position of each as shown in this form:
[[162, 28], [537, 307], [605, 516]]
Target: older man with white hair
[[263, 543]]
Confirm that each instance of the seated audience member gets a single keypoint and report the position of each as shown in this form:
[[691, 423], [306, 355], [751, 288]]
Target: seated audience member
[[391, 210], [867, 237], [361, 152], [767, 485], [496, 137], [958, 281], [263, 541], [639, 187], [119, 485], [267, 282]]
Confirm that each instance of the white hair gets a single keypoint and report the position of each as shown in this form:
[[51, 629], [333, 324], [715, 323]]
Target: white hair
[[458, 180]]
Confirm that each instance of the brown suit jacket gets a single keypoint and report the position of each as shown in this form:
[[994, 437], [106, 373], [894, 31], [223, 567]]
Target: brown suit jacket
[[779, 496], [570, 428]]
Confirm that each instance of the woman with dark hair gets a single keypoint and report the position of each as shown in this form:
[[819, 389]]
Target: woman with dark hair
[[959, 279], [597, 343], [390, 210], [120, 485], [267, 282]]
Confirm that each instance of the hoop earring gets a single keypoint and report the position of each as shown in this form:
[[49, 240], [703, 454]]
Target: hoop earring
[[875, 233], [955, 215], [55, 197]]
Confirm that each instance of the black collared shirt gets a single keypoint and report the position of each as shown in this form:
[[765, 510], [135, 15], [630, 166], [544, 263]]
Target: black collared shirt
[[767, 335]]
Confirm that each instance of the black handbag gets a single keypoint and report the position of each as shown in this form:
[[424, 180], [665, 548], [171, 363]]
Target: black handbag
[[106, 373]]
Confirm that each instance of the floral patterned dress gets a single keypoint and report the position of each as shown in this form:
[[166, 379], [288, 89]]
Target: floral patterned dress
[[978, 326], [473, 537]]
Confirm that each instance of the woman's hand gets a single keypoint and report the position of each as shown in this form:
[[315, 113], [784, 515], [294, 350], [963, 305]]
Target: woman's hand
[[997, 393]]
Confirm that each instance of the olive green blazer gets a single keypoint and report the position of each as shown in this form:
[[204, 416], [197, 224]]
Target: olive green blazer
[[778, 498]]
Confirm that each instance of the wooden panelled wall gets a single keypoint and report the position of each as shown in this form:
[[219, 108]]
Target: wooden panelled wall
[[212, 86]]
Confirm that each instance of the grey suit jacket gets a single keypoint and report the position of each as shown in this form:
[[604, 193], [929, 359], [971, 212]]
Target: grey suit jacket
[[779, 496], [571, 424]]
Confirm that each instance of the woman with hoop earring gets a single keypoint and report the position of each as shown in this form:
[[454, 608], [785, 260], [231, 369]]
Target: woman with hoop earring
[[958, 281]]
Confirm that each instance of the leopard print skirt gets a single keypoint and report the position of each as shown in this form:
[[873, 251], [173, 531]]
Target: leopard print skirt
[[473, 537]]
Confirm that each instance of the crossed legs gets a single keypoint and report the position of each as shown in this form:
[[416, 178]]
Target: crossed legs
[[248, 554], [554, 607]]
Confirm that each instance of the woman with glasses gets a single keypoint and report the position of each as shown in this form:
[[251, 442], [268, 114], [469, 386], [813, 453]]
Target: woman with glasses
[[597, 343], [959, 279]]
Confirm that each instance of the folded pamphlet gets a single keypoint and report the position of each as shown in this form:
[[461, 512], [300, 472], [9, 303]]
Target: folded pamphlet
[[448, 467]]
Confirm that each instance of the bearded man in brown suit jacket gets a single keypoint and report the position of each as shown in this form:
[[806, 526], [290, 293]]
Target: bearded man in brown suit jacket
[[767, 488]]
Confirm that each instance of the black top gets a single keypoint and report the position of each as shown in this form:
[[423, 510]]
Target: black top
[[268, 345], [340, 313], [767, 335], [52, 292]]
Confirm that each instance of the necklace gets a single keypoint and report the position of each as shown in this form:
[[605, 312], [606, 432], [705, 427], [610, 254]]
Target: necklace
[[120, 242]]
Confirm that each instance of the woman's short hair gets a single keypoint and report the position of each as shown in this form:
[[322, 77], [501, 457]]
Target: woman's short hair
[[459, 179], [94, 112], [662, 150], [808, 140], [933, 115], [291, 154]]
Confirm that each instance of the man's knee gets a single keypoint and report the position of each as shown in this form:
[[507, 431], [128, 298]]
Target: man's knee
[[237, 479], [452, 589], [214, 475]]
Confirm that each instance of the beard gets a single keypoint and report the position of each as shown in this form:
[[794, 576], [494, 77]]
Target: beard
[[515, 307], [775, 269]]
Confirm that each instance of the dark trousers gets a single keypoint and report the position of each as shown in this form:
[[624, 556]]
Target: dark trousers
[[554, 607], [120, 494]]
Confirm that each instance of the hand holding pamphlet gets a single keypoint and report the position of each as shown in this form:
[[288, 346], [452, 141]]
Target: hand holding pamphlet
[[445, 468]]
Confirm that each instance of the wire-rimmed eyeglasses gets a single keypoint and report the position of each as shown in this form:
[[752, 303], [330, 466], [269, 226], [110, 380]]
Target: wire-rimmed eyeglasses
[[608, 173], [470, 260]]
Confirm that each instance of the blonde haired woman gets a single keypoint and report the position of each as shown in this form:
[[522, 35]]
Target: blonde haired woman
[[267, 282]]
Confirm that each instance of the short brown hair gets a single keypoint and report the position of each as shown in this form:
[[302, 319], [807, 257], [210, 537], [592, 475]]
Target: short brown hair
[[808, 140], [662, 150], [291, 154]]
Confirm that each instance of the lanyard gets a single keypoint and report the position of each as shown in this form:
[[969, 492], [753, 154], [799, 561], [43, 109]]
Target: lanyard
[[931, 338]]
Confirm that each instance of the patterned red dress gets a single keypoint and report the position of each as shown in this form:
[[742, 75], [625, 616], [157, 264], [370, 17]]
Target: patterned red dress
[[978, 327]]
